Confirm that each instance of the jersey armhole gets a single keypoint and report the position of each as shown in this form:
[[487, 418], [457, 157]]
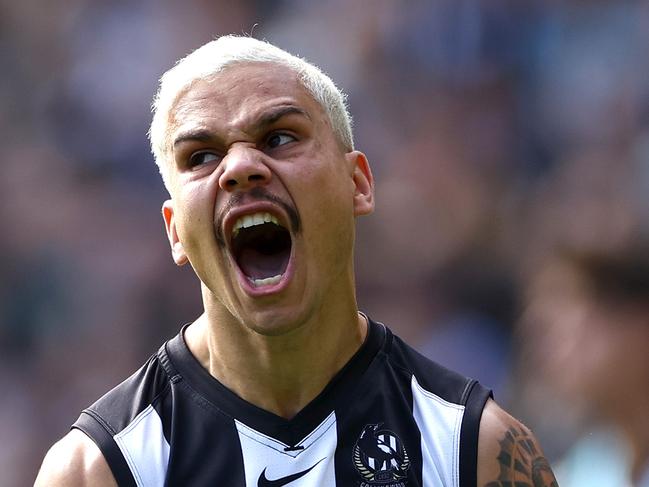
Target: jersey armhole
[[476, 399], [92, 427]]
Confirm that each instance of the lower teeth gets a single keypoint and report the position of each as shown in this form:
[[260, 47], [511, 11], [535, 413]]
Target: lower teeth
[[265, 282]]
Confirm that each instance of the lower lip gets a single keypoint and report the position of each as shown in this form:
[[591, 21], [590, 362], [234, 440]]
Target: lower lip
[[261, 291]]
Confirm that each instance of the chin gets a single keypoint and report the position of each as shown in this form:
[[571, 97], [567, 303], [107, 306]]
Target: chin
[[274, 322]]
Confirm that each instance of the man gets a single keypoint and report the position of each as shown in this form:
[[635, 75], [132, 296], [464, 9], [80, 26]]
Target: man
[[281, 381], [588, 318]]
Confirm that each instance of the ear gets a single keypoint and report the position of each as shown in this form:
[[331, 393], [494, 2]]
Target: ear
[[177, 250], [363, 183]]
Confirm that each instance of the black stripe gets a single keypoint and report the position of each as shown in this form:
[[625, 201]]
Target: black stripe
[[166, 363], [91, 426], [476, 400], [164, 402], [383, 397]]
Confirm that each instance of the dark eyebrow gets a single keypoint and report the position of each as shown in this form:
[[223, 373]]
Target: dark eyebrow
[[198, 135], [272, 116], [265, 119]]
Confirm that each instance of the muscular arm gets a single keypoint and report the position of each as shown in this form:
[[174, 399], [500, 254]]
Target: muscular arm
[[75, 461], [509, 454]]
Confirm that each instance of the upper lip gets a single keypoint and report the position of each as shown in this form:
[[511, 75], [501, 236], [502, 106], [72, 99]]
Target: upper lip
[[249, 209]]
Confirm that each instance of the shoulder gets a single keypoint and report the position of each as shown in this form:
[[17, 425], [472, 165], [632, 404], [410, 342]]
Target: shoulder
[[75, 461], [509, 453], [424, 373]]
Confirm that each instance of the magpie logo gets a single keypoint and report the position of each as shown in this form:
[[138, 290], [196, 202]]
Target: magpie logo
[[265, 482], [380, 457]]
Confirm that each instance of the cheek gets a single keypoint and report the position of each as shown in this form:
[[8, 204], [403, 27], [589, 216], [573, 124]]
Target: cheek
[[328, 197], [598, 360], [325, 202], [196, 203], [625, 350]]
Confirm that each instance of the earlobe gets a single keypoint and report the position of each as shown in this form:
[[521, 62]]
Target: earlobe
[[177, 249], [363, 183]]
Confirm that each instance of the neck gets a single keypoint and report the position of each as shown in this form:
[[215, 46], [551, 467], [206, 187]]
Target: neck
[[636, 429], [283, 373], [631, 419]]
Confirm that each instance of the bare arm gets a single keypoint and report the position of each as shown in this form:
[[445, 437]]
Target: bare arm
[[75, 461], [509, 454]]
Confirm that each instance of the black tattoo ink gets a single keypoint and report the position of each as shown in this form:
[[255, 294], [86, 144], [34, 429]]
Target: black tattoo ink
[[521, 462]]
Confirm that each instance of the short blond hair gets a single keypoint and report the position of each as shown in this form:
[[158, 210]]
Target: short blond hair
[[212, 58]]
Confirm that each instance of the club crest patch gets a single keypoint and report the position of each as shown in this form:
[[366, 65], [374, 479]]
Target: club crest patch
[[380, 457]]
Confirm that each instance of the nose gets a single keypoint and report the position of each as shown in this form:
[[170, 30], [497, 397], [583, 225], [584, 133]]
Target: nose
[[244, 169]]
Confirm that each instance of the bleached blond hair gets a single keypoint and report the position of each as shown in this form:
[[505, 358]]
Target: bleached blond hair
[[209, 60]]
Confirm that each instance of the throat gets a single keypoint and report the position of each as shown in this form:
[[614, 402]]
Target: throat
[[283, 392], [262, 253], [283, 374], [257, 264]]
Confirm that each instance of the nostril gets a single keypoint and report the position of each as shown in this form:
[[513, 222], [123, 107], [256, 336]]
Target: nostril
[[255, 177]]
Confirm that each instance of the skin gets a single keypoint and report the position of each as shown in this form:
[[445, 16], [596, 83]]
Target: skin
[[254, 126], [278, 350], [593, 352], [509, 453], [75, 461]]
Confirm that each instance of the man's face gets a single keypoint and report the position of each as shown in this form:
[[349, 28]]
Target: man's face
[[589, 349], [263, 197]]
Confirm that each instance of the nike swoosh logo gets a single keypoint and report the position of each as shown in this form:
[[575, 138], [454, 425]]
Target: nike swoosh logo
[[264, 482]]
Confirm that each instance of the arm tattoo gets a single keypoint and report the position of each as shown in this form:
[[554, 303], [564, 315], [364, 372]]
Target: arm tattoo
[[522, 464]]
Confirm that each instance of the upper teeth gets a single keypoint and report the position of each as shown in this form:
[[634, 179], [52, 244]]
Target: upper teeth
[[252, 220]]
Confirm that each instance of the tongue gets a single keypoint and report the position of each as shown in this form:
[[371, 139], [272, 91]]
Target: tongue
[[258, 265]]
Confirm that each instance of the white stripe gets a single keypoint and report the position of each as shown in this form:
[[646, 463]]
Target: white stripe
[[264, 454], [439, 422], [145, 448]]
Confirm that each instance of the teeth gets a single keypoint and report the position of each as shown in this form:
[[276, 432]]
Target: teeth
[[252, 220], [265, 282]]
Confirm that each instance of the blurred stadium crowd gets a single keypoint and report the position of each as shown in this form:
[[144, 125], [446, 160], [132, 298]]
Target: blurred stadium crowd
[[510, 144]]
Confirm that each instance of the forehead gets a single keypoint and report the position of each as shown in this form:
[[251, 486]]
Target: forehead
[[237, 96]]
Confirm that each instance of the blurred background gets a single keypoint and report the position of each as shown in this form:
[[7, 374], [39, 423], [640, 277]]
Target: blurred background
[[510, 144]]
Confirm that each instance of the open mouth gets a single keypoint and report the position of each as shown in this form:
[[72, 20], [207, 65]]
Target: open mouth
[[261, 247]]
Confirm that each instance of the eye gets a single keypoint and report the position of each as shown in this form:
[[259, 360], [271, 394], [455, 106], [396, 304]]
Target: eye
[[201, 158], [277, 139]]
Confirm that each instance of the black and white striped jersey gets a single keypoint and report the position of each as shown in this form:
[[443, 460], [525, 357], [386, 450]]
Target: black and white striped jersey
[[390, 418]]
